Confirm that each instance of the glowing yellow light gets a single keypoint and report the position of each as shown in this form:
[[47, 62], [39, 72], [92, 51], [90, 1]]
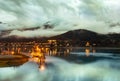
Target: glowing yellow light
[[12, 52], [87, 44], [68, 50], [87, 51], [42, 67], [37, 60]]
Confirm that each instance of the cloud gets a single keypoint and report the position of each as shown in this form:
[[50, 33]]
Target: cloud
[[65, 15], [34, 33]]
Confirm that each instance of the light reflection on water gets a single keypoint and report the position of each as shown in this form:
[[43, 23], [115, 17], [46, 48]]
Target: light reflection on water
[[61, 70], [57, 69]]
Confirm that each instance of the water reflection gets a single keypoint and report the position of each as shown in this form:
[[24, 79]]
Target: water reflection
[[61, 70], [39, 61], [42, 66], [89, 50], [38, 53], [38, 56], [58, 51]]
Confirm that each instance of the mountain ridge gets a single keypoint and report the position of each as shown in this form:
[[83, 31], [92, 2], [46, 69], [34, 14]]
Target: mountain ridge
[[80, 34]]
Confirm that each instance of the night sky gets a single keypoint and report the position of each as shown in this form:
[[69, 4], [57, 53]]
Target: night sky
[[102, 16]]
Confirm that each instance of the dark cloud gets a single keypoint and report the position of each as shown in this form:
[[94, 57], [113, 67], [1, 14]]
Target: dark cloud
[[115, 24]]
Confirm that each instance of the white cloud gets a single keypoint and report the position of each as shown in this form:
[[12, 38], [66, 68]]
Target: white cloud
[[6, 17], [35, 33], [95, 15]]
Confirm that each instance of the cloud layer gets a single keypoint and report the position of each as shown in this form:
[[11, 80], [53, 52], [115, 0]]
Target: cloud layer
[[64, 15]]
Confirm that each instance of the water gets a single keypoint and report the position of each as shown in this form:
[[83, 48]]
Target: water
[[69, 65]]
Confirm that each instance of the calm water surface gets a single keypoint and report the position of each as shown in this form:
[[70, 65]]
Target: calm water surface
[[69, 64]]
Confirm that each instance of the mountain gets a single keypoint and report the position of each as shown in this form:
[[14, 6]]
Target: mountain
[[76, 37], [80, 34]]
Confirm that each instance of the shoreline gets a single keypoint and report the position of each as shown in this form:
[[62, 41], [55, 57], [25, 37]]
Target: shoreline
[[12, 60], [93, 47]]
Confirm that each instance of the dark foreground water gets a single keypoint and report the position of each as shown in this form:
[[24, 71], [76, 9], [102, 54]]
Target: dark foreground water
[[69, 65]]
